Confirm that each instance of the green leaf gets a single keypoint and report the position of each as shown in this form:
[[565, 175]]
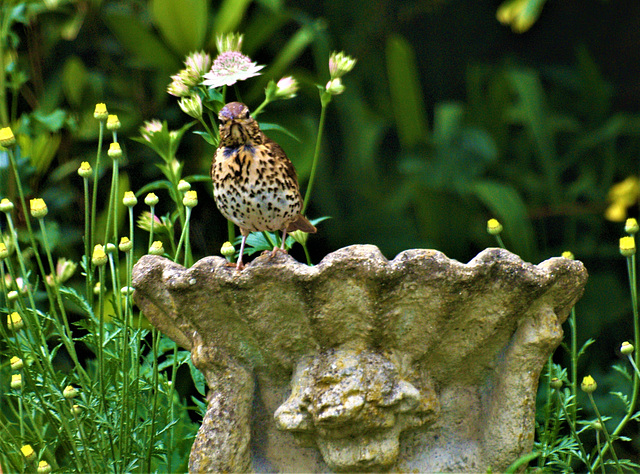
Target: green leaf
[[228, 17], [507, 206], [74, 80], [279, 128], [406, 92], [147, 188], [183, 23], [137, 38], [74, 297], [197, 377]]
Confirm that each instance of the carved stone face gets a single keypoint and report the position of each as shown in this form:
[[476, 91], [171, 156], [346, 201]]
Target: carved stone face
[[355, 404]]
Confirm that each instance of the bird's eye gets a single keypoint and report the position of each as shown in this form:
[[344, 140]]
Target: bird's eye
[[246, 115]]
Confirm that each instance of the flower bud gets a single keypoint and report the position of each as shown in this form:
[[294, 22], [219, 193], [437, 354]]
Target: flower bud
[[16, 363], [100, 112], [340, 64], [568, 255], [6, 205], [85, 170], [192, 106], [126, 290], [156, 248], [190, 199], [12, 295], [70, 392], [286, 88], [76, 410], [494, 227], [28, 452], [16, 381], [299, 236], [4, 252], [335, 86], [7, 139], [38, 208], [631, 226], [228, 250], [99, 257], [588, 384], [113, 123], [556, 383], [151, 199], [183, 186], [115, 151], [14, 321], [110, 248], [626, 348], [129, 199], [96, 288], [43, 467], [627, 246], [125, 244]]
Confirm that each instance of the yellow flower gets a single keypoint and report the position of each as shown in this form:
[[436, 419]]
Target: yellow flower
[[4, 252], [494, 227], [228, 250], [183, 186], [85, 169], [38, 208], [99, 257], [621, 196], [70, 392], [100, 112], [156, 248], [125, 244], [7, 139], [151, 199], [112, 122], [568, 254], [16, 363], [631, 226], [129, 199], [14, 321], [43, 467], [6, 205], [28, 452], [519, 14], [115, 151], [627, 246], [626, 348], [588, 385], [190, 199], [16, 381]]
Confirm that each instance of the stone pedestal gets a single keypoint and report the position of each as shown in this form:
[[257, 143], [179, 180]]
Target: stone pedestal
[[421, 363]]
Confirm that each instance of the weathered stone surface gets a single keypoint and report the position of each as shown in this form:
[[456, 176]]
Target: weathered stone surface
[[364, 364]]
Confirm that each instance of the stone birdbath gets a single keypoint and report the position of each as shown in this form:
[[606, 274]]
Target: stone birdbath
[[359, 363]]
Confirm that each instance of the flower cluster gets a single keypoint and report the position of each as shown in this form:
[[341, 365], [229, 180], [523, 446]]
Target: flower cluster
[[339, 65]]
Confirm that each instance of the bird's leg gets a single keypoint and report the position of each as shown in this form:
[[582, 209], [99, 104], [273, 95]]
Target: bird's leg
[[240, 265], [281, 248]]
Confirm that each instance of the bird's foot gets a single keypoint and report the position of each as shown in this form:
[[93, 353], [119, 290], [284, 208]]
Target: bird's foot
[[276, 250]]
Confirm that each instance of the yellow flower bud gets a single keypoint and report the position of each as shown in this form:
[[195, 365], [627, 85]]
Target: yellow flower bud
[[588, 384], [228, 250], [156, 248], [43, 467], [631, 226], [494, 227], [112, 122], [6, 205], [38, 208], [129, 199], [569, 255], [4, 252], [70, 392], [626, 348], [151, 199], [14, 321], [125, 244], [99, 257], [190, 199], [115, 151], [7, 139], [28, 452], [100, 112], [627, 246], [16, 381], [16, 363], [183, 186], [85, 169]]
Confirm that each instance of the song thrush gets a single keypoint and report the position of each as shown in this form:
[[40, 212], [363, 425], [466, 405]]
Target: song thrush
[[254, 184]]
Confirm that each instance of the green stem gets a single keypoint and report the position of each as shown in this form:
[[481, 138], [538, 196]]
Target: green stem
[[185, 231], [574, 363], [231, 232], [608, 438], [94, 199], [87, 241], [325, 100], [153, 218]]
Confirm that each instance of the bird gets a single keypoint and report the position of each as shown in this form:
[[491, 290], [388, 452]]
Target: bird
[[255, 185]]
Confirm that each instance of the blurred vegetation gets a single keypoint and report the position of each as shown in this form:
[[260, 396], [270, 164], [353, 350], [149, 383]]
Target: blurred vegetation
[[449, 118]]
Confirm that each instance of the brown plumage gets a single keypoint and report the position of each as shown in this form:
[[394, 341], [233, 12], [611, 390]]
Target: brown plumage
[[254, 184]]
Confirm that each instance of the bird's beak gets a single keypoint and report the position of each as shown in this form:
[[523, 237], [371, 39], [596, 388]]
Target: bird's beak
[[236, 130]]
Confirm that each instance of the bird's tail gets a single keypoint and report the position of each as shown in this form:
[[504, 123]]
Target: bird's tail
[[303, 224]]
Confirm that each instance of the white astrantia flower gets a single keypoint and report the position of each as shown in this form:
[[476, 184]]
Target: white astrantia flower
[[230, 67]]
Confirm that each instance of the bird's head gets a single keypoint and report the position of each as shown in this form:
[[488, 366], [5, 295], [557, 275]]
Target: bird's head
[[237, 127]]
